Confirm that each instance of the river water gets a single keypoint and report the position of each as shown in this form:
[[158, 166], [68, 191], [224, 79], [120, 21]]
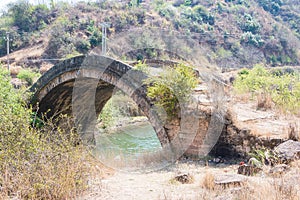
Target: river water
[[130, 141]]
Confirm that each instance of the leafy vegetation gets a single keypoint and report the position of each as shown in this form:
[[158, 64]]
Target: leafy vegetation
[[262, 157], [142, 66], [107, 117], [119, 107], [249, 24], [283, 86], [172, 88], [28, 17], [38, 164], [28, 76]]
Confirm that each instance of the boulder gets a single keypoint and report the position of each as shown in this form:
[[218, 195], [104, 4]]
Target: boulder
[[288, 151], [248, 170], [227, 180], [184, 178], [279, 169]]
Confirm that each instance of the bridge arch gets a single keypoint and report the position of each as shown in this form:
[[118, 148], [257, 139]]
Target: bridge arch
[[82, 85]]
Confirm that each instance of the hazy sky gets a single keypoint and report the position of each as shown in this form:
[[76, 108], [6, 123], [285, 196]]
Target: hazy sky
[[3, 3]]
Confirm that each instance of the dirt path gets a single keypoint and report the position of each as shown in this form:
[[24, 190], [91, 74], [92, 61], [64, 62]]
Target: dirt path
[[156, 185]]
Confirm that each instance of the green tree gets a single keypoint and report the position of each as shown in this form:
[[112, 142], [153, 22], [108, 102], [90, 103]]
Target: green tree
[[201, 14], [95, 36], [28, 17], [20, 12]]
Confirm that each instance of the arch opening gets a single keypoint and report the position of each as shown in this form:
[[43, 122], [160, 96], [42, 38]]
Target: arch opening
[[81, 86], [123, 131]]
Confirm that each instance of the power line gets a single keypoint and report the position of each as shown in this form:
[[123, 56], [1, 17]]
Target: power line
[[46, 59]]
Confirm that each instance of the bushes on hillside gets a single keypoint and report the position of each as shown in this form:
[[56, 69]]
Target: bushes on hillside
[[253, 39], [272, 6], [249, 24], [28, 17], [95, 36], [282, 87]]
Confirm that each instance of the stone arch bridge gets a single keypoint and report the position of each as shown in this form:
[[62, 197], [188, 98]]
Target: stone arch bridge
[[81, 86]]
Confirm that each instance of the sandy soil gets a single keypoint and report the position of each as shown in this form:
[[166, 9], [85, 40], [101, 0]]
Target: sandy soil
[[161, 184], [157, 184]]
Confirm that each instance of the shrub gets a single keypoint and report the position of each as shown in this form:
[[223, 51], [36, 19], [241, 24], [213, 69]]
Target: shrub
[[107, 116], [167, 11], [37, 163], [283, 88], [253, 39], [95, 36], [141, 66], [262, 157], [202, 15], [61, 41], [28, 76], [273, 6], [82, 45], [119, 107], [171, 87], [249, 24], [223, 53], [187, 2]]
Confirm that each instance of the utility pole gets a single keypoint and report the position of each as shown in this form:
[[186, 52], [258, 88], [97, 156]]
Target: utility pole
[[7, 45], [104, 28]]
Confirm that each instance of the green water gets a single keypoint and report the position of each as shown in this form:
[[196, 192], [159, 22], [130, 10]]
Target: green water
[[130, 140]]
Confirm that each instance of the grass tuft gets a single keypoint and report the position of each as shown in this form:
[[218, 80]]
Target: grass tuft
[[208, 181]]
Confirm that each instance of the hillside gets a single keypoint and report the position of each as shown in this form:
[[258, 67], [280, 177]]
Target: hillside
[[249, 124], [230, 33]]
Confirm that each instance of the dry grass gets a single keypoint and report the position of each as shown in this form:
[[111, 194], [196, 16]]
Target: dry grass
[[49, 163], [264, 101], [208, 181], [275, 189], [293, 132], [14, 70], [244, 97], [286, 186]]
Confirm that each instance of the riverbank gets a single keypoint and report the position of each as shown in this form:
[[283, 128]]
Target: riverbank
[[207, 178], [123, 123]]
